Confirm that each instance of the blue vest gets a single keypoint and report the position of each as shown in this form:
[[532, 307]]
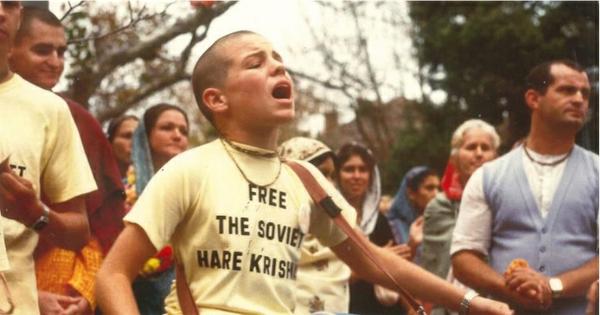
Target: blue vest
[[568, 236]]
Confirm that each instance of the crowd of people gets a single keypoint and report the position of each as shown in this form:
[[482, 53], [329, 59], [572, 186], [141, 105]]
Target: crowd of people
[[132, 221]]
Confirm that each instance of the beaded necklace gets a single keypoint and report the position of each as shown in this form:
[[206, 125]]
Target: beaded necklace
[[553, 163], [252, 153]]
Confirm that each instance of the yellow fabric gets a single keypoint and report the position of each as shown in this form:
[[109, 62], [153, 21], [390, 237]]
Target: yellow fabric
[[61, 271], [39, 135], [239, 245], [322, 283]]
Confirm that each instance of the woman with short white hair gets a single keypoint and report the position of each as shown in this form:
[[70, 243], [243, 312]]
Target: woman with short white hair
[[473, 143]]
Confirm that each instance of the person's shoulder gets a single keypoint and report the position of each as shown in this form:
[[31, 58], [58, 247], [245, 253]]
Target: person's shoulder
[[78, 111], [440, 201], [499, 165], [588, 154], [590, 160], [34, 95], [439, 205], [83, 118], [201, 156]]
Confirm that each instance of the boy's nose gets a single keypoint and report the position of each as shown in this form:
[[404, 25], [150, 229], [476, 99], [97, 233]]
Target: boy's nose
[[278, 67]]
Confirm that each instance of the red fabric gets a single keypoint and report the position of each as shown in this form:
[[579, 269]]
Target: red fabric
[[105, 206], [166, 258], [451, 183]]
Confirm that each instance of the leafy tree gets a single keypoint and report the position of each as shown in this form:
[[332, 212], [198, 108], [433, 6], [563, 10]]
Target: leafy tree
[[478, 53]]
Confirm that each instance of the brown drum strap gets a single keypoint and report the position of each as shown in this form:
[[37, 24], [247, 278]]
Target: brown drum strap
[[320, 197]]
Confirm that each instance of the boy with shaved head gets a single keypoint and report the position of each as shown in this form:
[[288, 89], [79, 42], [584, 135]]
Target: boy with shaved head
[[46, 162], [235, 214]]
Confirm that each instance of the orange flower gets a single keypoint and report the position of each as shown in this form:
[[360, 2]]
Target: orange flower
[[514, 265]]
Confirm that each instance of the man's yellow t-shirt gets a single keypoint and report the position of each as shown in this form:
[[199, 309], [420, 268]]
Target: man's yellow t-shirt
[[238, 243], [42, 141]]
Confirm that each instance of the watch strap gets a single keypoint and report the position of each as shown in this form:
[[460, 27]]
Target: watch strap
[[43, 220], [465, 304]]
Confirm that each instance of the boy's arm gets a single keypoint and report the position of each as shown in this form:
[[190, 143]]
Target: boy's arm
[[121, 266], [415, 280]]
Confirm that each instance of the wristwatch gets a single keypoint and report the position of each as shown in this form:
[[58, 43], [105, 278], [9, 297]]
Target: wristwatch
[[465, 304], [43, 220], [556, 286]]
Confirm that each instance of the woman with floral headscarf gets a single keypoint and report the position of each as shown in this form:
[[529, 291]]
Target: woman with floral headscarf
[[322, 278]]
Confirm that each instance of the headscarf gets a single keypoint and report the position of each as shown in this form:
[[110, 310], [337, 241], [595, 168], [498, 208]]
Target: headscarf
[[402, 213], [305, 149], [141, 158], [370, 209], [370, 206]]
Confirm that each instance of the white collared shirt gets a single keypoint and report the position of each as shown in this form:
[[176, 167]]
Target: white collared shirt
[[473, 230]]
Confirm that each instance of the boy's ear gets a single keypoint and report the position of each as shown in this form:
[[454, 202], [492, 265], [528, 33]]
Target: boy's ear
[[215, 100]]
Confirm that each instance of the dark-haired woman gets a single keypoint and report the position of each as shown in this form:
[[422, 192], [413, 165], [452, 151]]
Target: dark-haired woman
[[418, 187], [120, 133], [161, 135], [359, 182]]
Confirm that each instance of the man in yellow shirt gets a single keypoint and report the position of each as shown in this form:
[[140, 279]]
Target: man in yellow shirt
[[45, 161], [38, 57], [234, 213]]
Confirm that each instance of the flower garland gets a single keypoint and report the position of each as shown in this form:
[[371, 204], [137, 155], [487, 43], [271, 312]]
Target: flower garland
[[162, 260]]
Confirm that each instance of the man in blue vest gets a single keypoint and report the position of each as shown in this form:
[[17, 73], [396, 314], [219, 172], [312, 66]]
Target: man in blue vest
[[538, 203]]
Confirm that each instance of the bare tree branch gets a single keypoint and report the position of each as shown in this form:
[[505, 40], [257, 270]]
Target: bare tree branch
[[144, 92], [147, 90], [325, 83], [71, 8], [133, 21], [88, 81]]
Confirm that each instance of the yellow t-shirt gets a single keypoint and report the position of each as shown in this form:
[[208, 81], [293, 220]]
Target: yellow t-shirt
[[239, 244], [39, 135]]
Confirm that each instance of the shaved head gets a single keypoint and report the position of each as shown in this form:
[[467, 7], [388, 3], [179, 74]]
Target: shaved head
[[211, 70]]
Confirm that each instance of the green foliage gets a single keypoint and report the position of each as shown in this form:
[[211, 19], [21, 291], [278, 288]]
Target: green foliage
[[427, 145], [480, 52], [81, 57]]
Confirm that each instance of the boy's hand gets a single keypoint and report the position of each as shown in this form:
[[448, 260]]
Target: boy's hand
[[481, 305], [18, 200], [4, 167]]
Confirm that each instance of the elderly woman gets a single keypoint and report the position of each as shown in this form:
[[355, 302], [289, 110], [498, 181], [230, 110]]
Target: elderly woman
[[473, 143]]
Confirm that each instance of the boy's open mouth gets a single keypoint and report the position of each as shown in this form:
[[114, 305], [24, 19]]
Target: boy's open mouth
[[282, 91]]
